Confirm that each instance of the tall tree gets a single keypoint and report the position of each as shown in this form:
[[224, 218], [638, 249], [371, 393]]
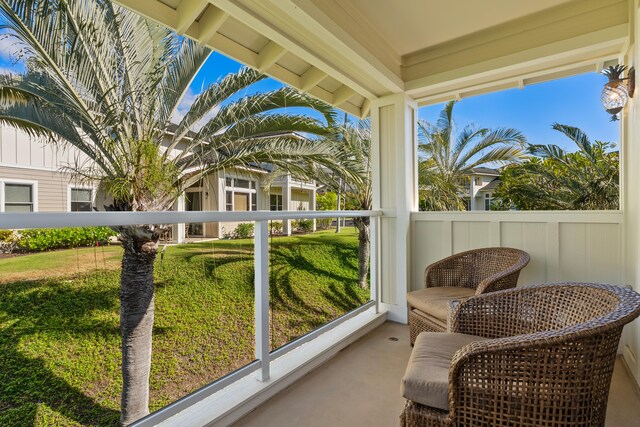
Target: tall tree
[[447, 157], [352, 143], [108, 82], [557, 180]]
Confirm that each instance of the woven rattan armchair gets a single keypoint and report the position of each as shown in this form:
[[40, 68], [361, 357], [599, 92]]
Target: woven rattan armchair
[[535, 356], [461, 276]]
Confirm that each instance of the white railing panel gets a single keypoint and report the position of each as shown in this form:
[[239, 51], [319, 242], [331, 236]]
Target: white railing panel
[[564, 246]]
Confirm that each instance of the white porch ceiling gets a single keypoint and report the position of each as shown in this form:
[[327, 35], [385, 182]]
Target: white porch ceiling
[[409, 26], [349, 52]]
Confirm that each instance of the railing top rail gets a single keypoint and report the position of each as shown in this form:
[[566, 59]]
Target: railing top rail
[[85, 219]]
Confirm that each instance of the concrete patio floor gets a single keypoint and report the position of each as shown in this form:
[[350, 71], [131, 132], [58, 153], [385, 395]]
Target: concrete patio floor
[[361, 387]]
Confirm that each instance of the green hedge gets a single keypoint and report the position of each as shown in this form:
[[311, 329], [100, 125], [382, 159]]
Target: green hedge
[[35, 240]]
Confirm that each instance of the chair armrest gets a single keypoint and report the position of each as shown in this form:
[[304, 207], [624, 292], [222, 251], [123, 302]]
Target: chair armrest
[[505, 279]]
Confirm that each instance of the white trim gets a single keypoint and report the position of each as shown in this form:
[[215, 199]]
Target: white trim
[[85, 219], [201, 191], [34, 193], [235, 189], [38, 168], [602, 217], [81, 187]]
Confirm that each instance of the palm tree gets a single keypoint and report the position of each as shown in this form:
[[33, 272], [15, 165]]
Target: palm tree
[[352, 143], [108, 82], [448, 157], [587, 179]]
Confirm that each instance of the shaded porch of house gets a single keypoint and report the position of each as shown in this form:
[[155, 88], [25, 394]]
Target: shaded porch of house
[[360, 386]]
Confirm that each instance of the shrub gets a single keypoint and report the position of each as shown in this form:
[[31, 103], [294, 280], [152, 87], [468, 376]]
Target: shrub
[[244, 230], [35, 240], [305, 225], [275, 227], [8, 241]]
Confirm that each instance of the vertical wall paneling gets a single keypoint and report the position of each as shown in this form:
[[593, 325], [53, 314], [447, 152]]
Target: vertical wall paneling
[[579, 246]]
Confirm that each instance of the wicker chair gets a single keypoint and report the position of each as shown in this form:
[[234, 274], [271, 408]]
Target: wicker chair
[[535, 356], [461, 276]]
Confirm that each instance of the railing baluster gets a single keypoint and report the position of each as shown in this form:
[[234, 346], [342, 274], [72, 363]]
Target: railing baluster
[[261, 259], [373, 261]]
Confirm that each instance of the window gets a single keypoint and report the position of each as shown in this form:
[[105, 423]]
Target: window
[[229, 200], [276, 202], [240, 195], [18, 197], [81, 200], [478, 181], [487, 202]]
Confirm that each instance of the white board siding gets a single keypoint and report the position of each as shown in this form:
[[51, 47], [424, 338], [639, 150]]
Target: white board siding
[[19, 149], [564, 246]]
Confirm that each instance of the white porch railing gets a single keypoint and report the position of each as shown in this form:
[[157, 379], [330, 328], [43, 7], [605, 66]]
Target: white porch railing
[[264, 357], [577, 246]]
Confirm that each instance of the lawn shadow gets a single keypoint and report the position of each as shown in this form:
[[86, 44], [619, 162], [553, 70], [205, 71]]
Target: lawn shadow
[[346, 298], [50, 308]]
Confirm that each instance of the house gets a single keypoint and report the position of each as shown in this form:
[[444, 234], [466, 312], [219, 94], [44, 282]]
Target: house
[[384, 59], [482, 183], [32, 179]]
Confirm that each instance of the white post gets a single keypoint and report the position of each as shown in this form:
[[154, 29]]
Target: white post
[[261, 260], [374, 284], [393, 132], [286, 205], [312, 204], [181, 227]]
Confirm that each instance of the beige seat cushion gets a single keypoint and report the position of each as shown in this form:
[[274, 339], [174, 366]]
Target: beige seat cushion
[[426, 380], [435, 301]]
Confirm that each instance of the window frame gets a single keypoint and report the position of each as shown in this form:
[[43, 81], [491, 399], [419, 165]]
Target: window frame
[[488, 197], [251, 191], [72, 187], [278, 203], [34, 192]]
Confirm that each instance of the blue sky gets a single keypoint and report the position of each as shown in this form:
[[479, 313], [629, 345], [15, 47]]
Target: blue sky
[[572, 101]]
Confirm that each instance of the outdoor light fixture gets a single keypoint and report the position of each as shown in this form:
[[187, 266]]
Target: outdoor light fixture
[[616, 91]]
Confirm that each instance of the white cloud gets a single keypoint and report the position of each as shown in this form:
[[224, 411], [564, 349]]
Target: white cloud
[[9, 47], [185, 104]]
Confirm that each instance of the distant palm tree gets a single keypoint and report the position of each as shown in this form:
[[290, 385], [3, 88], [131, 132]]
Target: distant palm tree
[[447, 157], [108, 82], [554, 179]]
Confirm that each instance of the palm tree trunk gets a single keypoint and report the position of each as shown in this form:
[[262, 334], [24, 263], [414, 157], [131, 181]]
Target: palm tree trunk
[[364, 251], [136, 321]]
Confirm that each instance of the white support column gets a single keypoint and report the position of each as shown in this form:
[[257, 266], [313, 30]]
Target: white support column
[[181, 227], [286, 205], [630, 200], [393, 126], [312, 205], [261, 260]]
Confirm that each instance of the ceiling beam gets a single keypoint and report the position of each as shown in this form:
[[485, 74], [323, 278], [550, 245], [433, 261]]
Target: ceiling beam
[[311, 78], [187, 12], [210, 22], [269, 55], [342, 95]]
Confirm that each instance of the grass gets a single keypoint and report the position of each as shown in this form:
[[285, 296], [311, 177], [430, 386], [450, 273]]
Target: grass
[[59, 334]]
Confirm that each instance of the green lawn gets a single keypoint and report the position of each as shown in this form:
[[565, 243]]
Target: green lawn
[[59, 334]]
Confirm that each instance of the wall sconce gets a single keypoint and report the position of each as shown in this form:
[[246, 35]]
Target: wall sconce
[[616, 91]]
